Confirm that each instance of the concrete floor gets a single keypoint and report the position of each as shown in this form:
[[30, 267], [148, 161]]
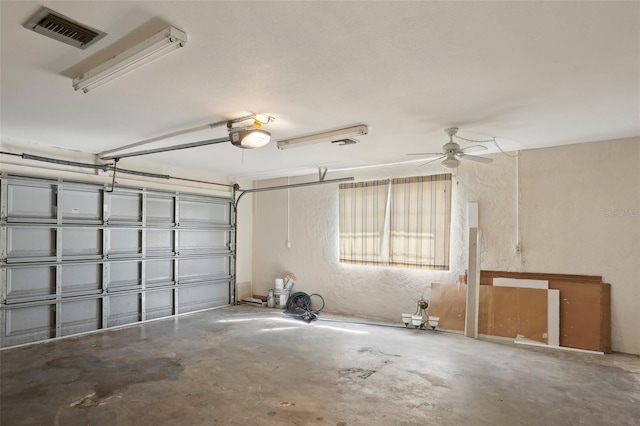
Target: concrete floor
[[253, 366]]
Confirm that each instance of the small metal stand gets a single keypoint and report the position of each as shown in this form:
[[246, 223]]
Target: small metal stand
[[420, 318]]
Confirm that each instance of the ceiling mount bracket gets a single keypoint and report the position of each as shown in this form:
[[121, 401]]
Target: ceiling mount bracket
[[322, 173], [345, 141]]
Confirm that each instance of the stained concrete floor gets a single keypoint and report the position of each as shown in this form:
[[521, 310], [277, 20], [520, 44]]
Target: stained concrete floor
[[253, 366]]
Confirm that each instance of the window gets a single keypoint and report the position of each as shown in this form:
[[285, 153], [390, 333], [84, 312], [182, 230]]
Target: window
[[396, 222]]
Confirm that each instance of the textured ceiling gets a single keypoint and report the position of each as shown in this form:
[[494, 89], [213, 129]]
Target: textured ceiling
[[533, 74]]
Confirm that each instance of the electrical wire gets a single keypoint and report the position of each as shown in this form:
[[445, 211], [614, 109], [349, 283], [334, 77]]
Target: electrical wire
[[487, 141]]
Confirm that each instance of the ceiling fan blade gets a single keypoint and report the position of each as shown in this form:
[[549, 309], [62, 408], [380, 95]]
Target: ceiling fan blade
[[431, 161], [473, 148], [475, 158], [426, 154]]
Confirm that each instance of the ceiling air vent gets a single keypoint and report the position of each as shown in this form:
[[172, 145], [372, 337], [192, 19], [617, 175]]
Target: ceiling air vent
[[54, 25]]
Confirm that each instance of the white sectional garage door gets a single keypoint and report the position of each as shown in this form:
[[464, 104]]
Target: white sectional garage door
[[77, 258]]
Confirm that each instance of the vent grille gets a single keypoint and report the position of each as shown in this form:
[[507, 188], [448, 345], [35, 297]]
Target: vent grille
[[61, 28]]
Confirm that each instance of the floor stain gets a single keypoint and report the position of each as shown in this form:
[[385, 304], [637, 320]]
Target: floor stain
[[112, 376], [356, 371], [376, 352]]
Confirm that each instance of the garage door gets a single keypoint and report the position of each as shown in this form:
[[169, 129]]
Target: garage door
[[76, 258]]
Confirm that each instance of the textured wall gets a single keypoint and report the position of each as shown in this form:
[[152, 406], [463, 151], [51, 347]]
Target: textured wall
[[564, 227], [376, 292], [580, 213]]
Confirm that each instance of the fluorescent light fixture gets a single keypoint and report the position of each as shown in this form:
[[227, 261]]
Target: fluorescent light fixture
[[360, 129], [142, 53], [249, 138]]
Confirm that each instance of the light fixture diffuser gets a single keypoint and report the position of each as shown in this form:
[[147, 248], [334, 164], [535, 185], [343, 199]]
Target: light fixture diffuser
[[249, 138], [450, 162], [360, 129], [142, 53]]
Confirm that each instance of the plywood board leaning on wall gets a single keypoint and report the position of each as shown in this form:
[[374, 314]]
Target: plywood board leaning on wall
[[504, 311], [585, 307], [448, 302], [511, 312]]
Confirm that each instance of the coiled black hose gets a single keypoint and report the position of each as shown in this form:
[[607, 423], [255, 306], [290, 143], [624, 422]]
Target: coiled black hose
[[299, 305]]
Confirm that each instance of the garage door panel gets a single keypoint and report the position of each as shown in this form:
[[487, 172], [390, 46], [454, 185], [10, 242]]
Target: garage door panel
[[203, 296], [31, 243], [203, 268], [81, 242], [79, 259], [31, 201], [159, 272], [159, 242], [29, 324], [124, 309], [124, 276], [81, 204], [32, 283], [124, 207], [125, 242], [159, 304], [81, 279], [203, 241], [81, 316], [160, 210], [197, 211]]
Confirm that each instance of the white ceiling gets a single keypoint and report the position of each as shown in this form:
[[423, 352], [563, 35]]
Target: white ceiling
[[533, 74]]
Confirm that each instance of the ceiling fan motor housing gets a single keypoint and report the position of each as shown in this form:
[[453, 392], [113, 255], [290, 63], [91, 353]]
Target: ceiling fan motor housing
[[451, 147]]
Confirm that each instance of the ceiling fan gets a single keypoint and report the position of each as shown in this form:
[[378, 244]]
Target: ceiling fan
[[452, 153]]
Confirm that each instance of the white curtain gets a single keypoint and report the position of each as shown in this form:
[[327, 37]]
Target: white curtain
[[363, 213], [400, 222], [420, 222]]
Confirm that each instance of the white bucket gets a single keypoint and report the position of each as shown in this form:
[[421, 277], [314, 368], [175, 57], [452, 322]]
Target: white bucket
[[281, 296], [279, 283]]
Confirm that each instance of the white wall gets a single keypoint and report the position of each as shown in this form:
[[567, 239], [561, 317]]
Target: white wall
[[580, 213], [372, 291], [570, 199]]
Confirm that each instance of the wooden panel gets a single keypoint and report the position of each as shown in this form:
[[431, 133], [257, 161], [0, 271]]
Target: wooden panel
[[504, 311], [579, 315], [486, 277], [448, 302], [585, 307], [511, 311]]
